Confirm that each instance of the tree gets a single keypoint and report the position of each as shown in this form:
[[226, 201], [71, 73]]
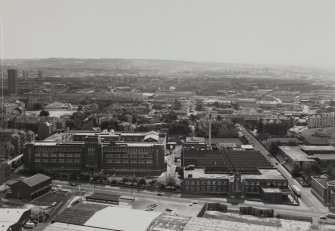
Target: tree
[[171, 181], [274, 148], [153, 183], [292, 143], [141, 182], [193, 118], [315, 167], [70, 124], [331, 172], [306, 169], [296, 171], [109, 125], [44, 113], [219, 118]]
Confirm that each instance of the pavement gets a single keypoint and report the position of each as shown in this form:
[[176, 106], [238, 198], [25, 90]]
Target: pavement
[[306, 195], [187, 199]]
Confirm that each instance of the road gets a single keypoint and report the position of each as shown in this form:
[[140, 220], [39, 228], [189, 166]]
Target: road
[[175, 197], [307, 197]]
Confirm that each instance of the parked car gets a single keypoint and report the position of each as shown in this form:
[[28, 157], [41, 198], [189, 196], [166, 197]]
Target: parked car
[[53, 204]]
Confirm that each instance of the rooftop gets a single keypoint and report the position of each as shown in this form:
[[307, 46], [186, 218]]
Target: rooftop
[[118, 218], [9, 217], [36, 179], [271, 190], [195, 140], [295, 153], [200, 173], [317, 148], [272, 173], [268, 173], [323, 156]]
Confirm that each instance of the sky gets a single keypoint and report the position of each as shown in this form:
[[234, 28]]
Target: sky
[[280, 32]]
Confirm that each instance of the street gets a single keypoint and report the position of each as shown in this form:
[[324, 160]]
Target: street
[[306, 196], [176, 197]]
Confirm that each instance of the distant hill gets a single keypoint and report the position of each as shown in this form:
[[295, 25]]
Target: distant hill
[[67, 65]]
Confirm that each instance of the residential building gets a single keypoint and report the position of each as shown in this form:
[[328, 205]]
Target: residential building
[[321, 120]]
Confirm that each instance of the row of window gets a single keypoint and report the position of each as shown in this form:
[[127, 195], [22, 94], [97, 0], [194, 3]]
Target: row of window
[[206, 182], [127, 149], [57, 160], [76, 155], [129, 161], [216, 189], [130, 166], [224, 182], [63, 168], [128, 156], [268, 183], [57, 149]]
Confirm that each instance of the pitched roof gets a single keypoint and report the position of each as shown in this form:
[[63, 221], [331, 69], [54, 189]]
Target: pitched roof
[[35, 180]]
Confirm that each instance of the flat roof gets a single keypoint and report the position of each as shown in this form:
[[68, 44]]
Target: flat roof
[[265, 173], [123, 219], [295, 153], [324, 156], [317, 148], [236, 141], [104, 196], [11, 215], [247, 146], [271, 190], [195, 140], [57, 226], [200, 173]]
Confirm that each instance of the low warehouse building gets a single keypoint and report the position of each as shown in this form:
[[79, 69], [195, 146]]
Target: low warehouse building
[[30, 188]]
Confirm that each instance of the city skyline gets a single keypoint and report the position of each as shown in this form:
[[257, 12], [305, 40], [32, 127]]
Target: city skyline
[[299, 33]]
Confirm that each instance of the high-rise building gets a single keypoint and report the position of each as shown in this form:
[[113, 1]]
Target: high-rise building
[[40, 74], [25, 74], [12, 82]]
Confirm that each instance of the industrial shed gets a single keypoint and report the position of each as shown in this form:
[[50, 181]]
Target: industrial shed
[[31, 187]]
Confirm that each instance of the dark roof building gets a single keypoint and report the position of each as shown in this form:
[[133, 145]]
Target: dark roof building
[[31, 187]]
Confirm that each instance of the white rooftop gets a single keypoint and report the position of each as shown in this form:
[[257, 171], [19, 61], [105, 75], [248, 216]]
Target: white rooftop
[[122, 219], [9, 217]]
